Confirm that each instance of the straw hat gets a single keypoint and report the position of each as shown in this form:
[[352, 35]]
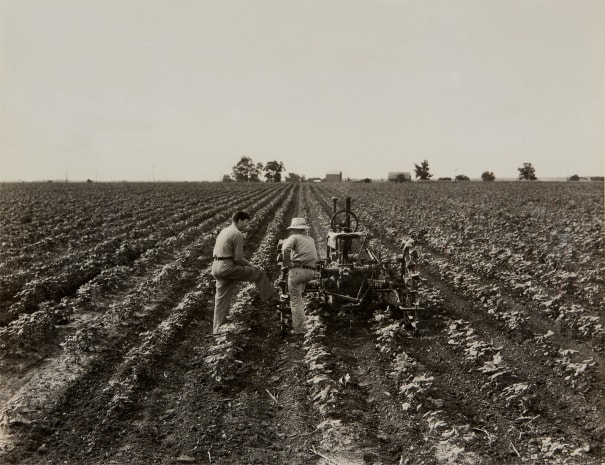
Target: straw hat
[[298, 223]]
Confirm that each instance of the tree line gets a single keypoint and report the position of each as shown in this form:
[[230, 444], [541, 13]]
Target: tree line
[[245, 170], [526, 172]]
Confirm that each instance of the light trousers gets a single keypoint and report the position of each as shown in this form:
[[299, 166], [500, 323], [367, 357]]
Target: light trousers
[[297, 278], [227, 275]]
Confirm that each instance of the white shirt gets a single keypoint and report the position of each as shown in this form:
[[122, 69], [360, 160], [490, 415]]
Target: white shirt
[[299, 250]]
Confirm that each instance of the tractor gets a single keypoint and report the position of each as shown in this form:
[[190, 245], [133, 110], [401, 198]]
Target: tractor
[[353, 279]]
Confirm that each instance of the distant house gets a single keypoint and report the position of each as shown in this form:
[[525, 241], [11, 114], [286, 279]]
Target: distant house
[[399, 176], [333, 176]]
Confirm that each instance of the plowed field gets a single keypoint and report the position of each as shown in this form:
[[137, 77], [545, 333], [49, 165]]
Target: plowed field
[[106, 353]]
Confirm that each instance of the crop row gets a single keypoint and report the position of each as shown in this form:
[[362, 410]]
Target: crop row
[[499, 386], [88, 207], [163, 291], [495, 305], [27, 329], [489, 296], [501, 378], [324, 389], [327, 391], [515, 393], [468, 251], [61, 278], [582, 319], [544, 240], [94, 212], [233, 336], [98, 222]]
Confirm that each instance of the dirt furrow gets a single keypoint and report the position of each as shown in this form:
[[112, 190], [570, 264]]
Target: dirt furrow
[[165, 295], [482, 378], [469, 396]]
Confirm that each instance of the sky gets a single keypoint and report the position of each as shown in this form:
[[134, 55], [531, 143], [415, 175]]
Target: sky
[[180, 90]]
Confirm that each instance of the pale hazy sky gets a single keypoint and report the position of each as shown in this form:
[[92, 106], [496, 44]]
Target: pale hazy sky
[[182, 89]]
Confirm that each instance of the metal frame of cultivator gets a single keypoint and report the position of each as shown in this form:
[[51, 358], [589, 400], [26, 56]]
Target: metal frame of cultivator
[[354, 279]]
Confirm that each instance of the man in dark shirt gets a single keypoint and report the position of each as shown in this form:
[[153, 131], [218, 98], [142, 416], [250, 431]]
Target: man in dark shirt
[[230, 266]]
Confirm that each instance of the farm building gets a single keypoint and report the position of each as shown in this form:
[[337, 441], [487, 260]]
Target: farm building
[[399, 176], [333, 176]]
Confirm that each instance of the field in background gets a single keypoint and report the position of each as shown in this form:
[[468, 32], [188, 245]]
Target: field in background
[[106, 307]]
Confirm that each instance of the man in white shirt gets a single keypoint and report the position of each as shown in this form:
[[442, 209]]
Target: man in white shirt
[[230, 266], [299, 257]]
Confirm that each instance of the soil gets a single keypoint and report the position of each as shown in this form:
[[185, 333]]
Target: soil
[[139, 396]]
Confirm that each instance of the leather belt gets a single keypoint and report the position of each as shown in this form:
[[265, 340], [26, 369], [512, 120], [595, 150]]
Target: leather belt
[[222, 258]]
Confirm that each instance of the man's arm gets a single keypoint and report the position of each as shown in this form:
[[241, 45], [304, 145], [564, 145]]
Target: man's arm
[[238, 250], [287, 253], [287, 261]]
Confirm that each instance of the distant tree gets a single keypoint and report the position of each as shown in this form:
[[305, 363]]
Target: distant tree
[[488, 176], [597, 178], [293, 177], [527, 172], [366, 180], [227, 178], [246, 171], [444, 179], [312, 179], [462, 177], [575, 177], [89, 180], [273, 170], [422, 171]]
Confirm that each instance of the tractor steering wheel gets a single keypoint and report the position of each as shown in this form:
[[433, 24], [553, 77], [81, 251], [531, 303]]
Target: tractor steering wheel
[[340, 219]]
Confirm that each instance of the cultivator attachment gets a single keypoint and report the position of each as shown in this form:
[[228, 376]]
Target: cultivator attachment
[[283, 307]]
